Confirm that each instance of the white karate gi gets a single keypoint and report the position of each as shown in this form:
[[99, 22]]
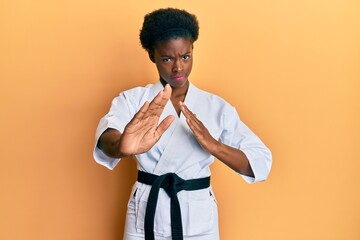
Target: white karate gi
[[179, 152]]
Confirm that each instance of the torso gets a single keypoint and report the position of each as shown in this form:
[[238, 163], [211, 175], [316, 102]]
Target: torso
[[175, 102], [177, 95]]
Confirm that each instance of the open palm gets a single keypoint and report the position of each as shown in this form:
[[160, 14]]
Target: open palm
[[144, 130]]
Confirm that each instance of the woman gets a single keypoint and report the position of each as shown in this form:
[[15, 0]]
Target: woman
[[175, 142]]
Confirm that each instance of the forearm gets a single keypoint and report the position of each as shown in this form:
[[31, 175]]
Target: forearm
[[233, 158], [109, 143]]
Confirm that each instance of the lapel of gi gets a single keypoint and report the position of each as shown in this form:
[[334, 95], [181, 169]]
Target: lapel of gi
[[179, 133]]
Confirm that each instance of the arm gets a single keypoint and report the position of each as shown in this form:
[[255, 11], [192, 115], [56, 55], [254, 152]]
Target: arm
[[109, 143], [232, 157], [141, 133]]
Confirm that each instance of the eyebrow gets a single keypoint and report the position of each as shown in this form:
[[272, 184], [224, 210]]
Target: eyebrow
[[165, 55]]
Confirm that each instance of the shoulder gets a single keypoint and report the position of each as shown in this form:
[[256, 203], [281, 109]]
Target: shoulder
[[214, 111], [140, 94], [137, 91], [133, 98], [214, 101]]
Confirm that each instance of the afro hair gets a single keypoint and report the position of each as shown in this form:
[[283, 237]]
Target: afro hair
[[165, 24]]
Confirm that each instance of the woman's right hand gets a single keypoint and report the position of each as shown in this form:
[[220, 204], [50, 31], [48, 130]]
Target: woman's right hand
[[142, 132]]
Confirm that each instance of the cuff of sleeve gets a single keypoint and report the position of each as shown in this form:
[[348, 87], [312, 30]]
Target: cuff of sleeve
[[99, 156], [102, 159], [260, 166]]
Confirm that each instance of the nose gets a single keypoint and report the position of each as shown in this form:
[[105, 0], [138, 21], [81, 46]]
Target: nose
[[177, 67]]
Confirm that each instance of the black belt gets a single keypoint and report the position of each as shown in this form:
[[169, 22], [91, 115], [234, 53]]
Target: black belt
[[172, 184]]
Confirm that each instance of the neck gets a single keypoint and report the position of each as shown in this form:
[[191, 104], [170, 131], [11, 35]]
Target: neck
[[177, 93]]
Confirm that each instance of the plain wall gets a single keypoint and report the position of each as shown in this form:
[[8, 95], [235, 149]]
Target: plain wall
[[291, 68]]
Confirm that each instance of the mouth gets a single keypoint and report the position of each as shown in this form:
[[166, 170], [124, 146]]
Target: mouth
[[178, 77]]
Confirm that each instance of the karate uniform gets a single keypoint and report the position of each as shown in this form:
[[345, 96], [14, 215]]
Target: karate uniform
[[178, 152]]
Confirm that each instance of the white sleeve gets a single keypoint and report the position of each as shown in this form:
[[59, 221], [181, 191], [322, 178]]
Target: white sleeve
[[236, 134], [119, 115]]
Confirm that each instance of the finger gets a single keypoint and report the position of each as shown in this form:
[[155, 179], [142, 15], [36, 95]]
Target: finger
[[187, 113], [157, 105], [167, 91], [194, 123], [164, 125], [140, 114], [166, 94], [184, 109]]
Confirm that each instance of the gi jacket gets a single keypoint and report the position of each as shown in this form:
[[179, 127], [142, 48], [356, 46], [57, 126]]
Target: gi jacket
[[179, 152]]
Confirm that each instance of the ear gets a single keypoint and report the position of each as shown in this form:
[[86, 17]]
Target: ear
[[151, 56]]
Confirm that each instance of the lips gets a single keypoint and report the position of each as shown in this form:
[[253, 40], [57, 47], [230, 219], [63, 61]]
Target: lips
[[178, 77]]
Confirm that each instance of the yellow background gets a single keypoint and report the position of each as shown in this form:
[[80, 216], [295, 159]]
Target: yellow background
[[292, 69]]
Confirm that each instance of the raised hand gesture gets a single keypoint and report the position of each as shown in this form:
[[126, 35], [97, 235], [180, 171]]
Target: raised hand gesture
[[144, 130], [232, 157], [200, 132]]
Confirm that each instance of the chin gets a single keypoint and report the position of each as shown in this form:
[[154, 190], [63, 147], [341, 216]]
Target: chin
[[178, 84]]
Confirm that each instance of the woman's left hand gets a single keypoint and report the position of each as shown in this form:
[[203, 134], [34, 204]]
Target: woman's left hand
[[232, 157], [200, 132]]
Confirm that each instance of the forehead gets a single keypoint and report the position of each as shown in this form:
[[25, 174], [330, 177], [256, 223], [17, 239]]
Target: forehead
[[174, 46]]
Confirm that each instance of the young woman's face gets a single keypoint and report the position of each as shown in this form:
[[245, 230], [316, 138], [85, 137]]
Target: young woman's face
[[174, 60]]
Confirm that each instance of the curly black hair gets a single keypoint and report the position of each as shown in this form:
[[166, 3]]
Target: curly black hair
[[165, 24]]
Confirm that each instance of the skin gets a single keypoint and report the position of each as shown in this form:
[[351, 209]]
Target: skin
[[173, 60]]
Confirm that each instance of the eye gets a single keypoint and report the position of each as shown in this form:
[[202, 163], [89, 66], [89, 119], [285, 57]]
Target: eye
[[186, 57], [166, 59]]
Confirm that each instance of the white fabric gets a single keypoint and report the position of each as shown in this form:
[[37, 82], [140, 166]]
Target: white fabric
[[178, 151]]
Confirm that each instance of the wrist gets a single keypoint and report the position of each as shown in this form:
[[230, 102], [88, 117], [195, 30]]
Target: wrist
[[215, 148]]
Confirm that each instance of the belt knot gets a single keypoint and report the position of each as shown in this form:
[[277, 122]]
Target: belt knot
[[172, 184]]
